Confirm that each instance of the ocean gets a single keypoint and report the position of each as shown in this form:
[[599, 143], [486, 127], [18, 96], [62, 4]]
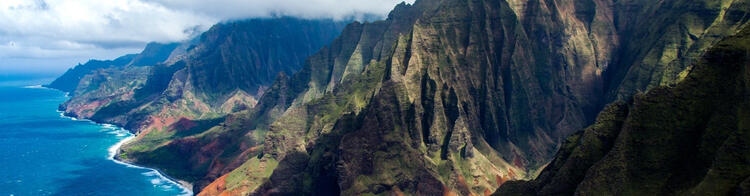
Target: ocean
[[44, 153]]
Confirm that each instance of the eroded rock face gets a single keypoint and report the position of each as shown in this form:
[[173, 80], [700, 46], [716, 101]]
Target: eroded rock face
[[167, 96], [689, 139], [443, 97], [460, 96]]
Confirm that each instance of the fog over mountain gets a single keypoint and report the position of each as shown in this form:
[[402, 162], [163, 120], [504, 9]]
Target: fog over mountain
[[50, 35]]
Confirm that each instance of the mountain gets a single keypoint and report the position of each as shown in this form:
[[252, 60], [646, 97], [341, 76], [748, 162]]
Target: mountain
[[454, 96], [442, 97], [153, 54], [156, 53], [70, 79], [224, 70], [688, 139]]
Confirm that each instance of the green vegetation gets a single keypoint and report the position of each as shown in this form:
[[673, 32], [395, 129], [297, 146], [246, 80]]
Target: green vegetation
[[252, 171], [690, 139], [448, 97]]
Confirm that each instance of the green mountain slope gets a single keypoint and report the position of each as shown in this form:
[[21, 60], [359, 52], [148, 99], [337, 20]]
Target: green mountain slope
[[689, 139], [225, 70], [197, 83], [468, 95], [442, 97]]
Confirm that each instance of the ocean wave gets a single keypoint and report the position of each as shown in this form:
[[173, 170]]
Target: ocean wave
[[160, 178], [150, 173], [109, 126], [39, 86], [121, 132], [166, 186], [115, 130], [156, 181]]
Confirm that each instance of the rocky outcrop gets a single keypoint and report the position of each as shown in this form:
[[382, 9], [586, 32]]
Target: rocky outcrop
[[688, 139]]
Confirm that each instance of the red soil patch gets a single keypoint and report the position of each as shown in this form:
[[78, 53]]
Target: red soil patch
[[500, 180], [487, 192], [163, 122], [397, 191], [461, 180], [511, 174], [156, 123], [184, 124], [89, 108], [447, 191], [143, 133], [463, 187], [255, 148], [235, 191], [216, 187]]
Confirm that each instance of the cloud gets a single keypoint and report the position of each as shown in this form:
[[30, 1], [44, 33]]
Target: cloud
[[49, 25], [84, 29], [237, 9]]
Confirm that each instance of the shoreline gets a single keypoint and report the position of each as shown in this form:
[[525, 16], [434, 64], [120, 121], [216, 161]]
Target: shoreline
[[186, 187], [115, 149]]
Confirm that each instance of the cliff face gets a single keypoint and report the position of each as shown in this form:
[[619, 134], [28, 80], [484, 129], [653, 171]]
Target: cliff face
[[661, 40], [247, 56], [688, 139], [193, 79], [192, 88], [443, 97], [460, 96]]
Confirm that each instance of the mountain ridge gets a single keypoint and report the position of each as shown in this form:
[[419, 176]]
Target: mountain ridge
[[421, 44], [154, 100], [465, 95], [152, 54]]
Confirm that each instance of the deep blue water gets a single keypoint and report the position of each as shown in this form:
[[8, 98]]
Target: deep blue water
[[42, 153]]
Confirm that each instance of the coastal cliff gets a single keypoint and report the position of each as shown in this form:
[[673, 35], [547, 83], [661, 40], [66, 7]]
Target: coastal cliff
[[189, 88], [442, 97]]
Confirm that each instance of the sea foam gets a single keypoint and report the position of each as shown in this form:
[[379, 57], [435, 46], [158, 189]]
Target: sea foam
[[121, 132], [160, 178], [34, 86]]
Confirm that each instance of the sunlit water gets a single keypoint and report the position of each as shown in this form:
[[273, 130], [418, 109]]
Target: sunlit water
[[43, 153]]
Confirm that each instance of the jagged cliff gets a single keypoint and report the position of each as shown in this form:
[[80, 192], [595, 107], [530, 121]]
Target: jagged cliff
[[688, 139], [226, 69], [460, 96], [442, 97], [157, 93], [153, 53]]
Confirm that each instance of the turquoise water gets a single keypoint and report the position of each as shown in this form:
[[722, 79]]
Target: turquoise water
[[42, 153]]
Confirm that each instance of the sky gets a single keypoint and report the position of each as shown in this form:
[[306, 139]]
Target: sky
[[50, 36]]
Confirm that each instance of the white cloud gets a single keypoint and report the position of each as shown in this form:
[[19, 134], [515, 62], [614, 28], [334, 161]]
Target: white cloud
[[234, 9], [96, 21], [84, 29]]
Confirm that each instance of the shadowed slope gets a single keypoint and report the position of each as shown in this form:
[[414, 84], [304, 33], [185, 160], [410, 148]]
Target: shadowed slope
[[690, 139]]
